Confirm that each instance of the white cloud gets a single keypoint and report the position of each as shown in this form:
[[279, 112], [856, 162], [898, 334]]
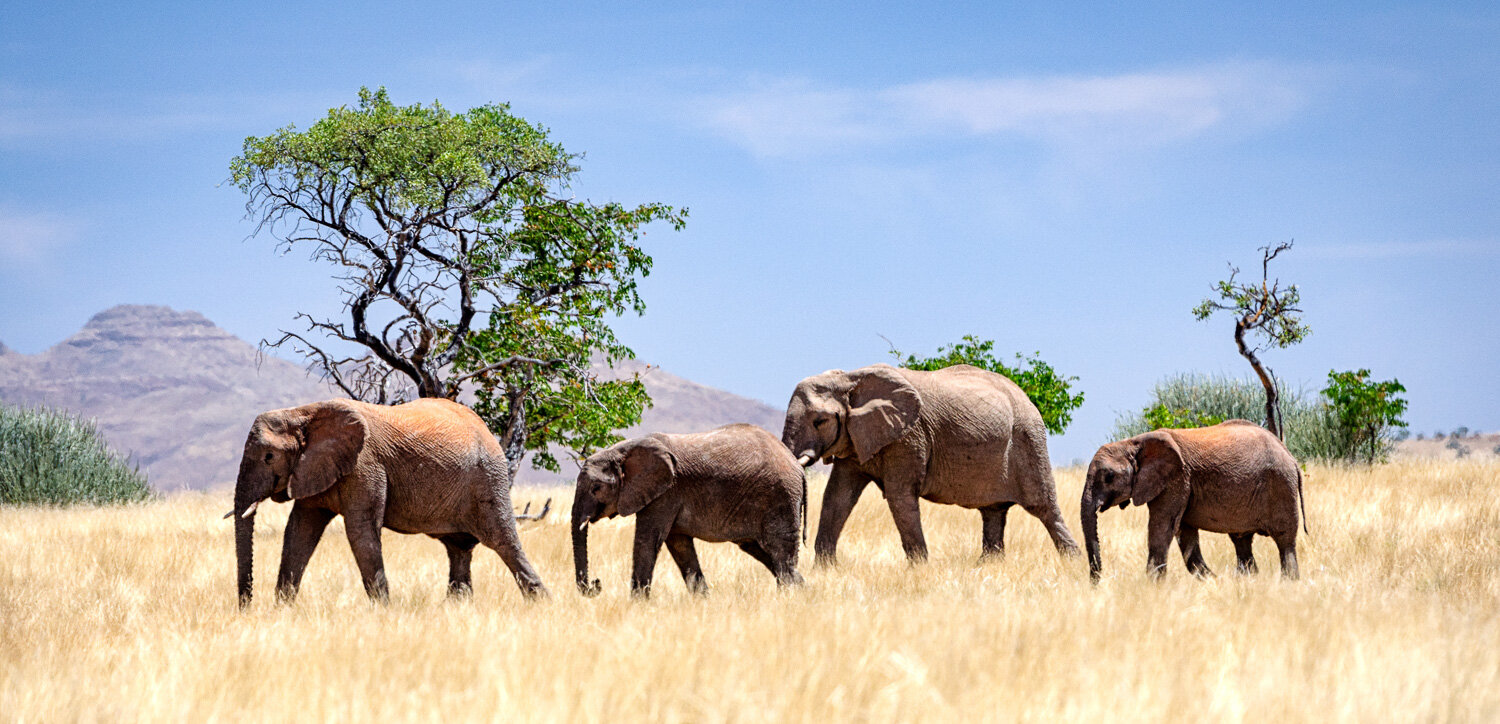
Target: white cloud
[[28, 238], [1130, 110]]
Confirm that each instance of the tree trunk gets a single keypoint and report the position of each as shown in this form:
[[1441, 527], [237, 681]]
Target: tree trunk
[[1265, 379]]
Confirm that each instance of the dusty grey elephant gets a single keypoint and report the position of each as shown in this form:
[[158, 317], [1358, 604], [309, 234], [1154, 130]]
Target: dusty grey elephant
[[960, 435], [428, 466], [734, 483], [1234, 477]]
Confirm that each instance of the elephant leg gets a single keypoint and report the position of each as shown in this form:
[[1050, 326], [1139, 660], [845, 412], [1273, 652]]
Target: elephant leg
[[992, 543], [500, 535], [686, 558], [460, 552], [648, 542], [844, 487], [304, 528], [907, 511], [364, 539], [759, 553], [1286, 544], [1051, 517], [1160, 530], [782, 551], [1192, 555], [1244, 552]]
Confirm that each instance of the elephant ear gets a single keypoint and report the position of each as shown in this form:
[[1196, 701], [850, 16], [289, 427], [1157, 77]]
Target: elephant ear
[[882, 406], [1158, 464], [647, 471], [332, 438]]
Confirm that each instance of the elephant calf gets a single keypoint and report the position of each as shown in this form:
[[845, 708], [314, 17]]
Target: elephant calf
[[1234, 477], [735, 483], [427, 466]]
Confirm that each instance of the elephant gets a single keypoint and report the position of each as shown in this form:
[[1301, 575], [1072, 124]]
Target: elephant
[[959, 436], [734, 483], [427, 466], [1234, 477]]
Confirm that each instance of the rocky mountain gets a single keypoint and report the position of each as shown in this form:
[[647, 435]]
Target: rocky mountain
[[178, 393]]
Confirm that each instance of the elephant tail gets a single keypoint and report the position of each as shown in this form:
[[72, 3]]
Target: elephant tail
[[1301, 501], [804, 506]]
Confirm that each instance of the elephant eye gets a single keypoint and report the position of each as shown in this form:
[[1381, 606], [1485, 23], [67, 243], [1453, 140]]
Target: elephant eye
[[820, 422], [268, 457], [1109, 477]]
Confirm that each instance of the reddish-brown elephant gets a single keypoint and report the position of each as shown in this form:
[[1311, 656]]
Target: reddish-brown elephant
[[428, 466], [1234, 477]]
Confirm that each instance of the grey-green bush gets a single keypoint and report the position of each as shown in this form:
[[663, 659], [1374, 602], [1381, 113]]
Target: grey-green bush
[[1311, 429], [53, 458]]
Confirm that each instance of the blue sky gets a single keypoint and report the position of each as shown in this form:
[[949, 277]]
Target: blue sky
[[1063, 181]]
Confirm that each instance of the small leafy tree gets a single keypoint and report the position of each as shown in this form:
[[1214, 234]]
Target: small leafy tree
[[1160, 416], [1367, 410], [1266, 310], [1049, 391], [464, 264]]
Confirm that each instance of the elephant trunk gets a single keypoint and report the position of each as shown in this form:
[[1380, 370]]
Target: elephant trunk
[[249, 489], [583, 510], [1089, 511]]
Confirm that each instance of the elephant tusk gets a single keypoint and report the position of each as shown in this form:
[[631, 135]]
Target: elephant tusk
[[583, 525], [250, 510], [228, 515], [805, 460]]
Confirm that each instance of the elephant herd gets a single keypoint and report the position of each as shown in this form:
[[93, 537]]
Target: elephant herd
[[960, 435]]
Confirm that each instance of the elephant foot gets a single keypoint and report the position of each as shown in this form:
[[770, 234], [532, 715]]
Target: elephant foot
[[460, 591], [825, 560]]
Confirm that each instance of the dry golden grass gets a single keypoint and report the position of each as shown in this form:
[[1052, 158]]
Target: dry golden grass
[[129, 614]]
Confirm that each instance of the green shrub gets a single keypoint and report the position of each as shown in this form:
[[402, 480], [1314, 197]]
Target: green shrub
[[1369, 412], [1311, 428], [52, 458], [1048, 389]]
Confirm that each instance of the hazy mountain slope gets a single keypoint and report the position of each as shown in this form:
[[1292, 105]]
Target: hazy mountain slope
[[178, 393]]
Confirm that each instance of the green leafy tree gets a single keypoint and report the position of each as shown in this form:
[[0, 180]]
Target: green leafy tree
[[464, 264], [1049, 391], [1265, 310], [1368, 411], [1160, 416]]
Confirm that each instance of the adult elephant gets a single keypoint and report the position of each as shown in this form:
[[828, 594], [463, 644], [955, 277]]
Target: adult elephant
[[735, 484], [960, 436], [1234, 477], [428, 466]]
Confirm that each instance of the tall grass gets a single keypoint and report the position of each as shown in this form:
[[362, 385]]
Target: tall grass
[[129, 614], [1310, 427], [52, 458]]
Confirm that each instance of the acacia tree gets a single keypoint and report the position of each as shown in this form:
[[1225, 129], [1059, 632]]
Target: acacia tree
[[463, 262], [1266, 310]]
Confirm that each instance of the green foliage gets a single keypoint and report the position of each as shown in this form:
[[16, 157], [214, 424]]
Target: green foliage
[[1048, 390], [51, 458], [1160, 416], [1312, 430], [1367, 411], [466, 264]]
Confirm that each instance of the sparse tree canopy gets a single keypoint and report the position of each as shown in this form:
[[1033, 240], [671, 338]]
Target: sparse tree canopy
[[1266, 310], [463, 262], [1048, 390]]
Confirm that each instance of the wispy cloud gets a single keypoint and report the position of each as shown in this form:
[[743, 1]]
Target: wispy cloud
[[28, 115], [28, 238], [782, 117], [1406, 249]]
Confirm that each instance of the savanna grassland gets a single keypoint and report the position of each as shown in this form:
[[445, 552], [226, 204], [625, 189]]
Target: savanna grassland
[[129, 614]]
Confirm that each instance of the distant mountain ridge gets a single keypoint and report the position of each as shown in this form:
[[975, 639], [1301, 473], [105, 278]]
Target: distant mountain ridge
[[177, 393]]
